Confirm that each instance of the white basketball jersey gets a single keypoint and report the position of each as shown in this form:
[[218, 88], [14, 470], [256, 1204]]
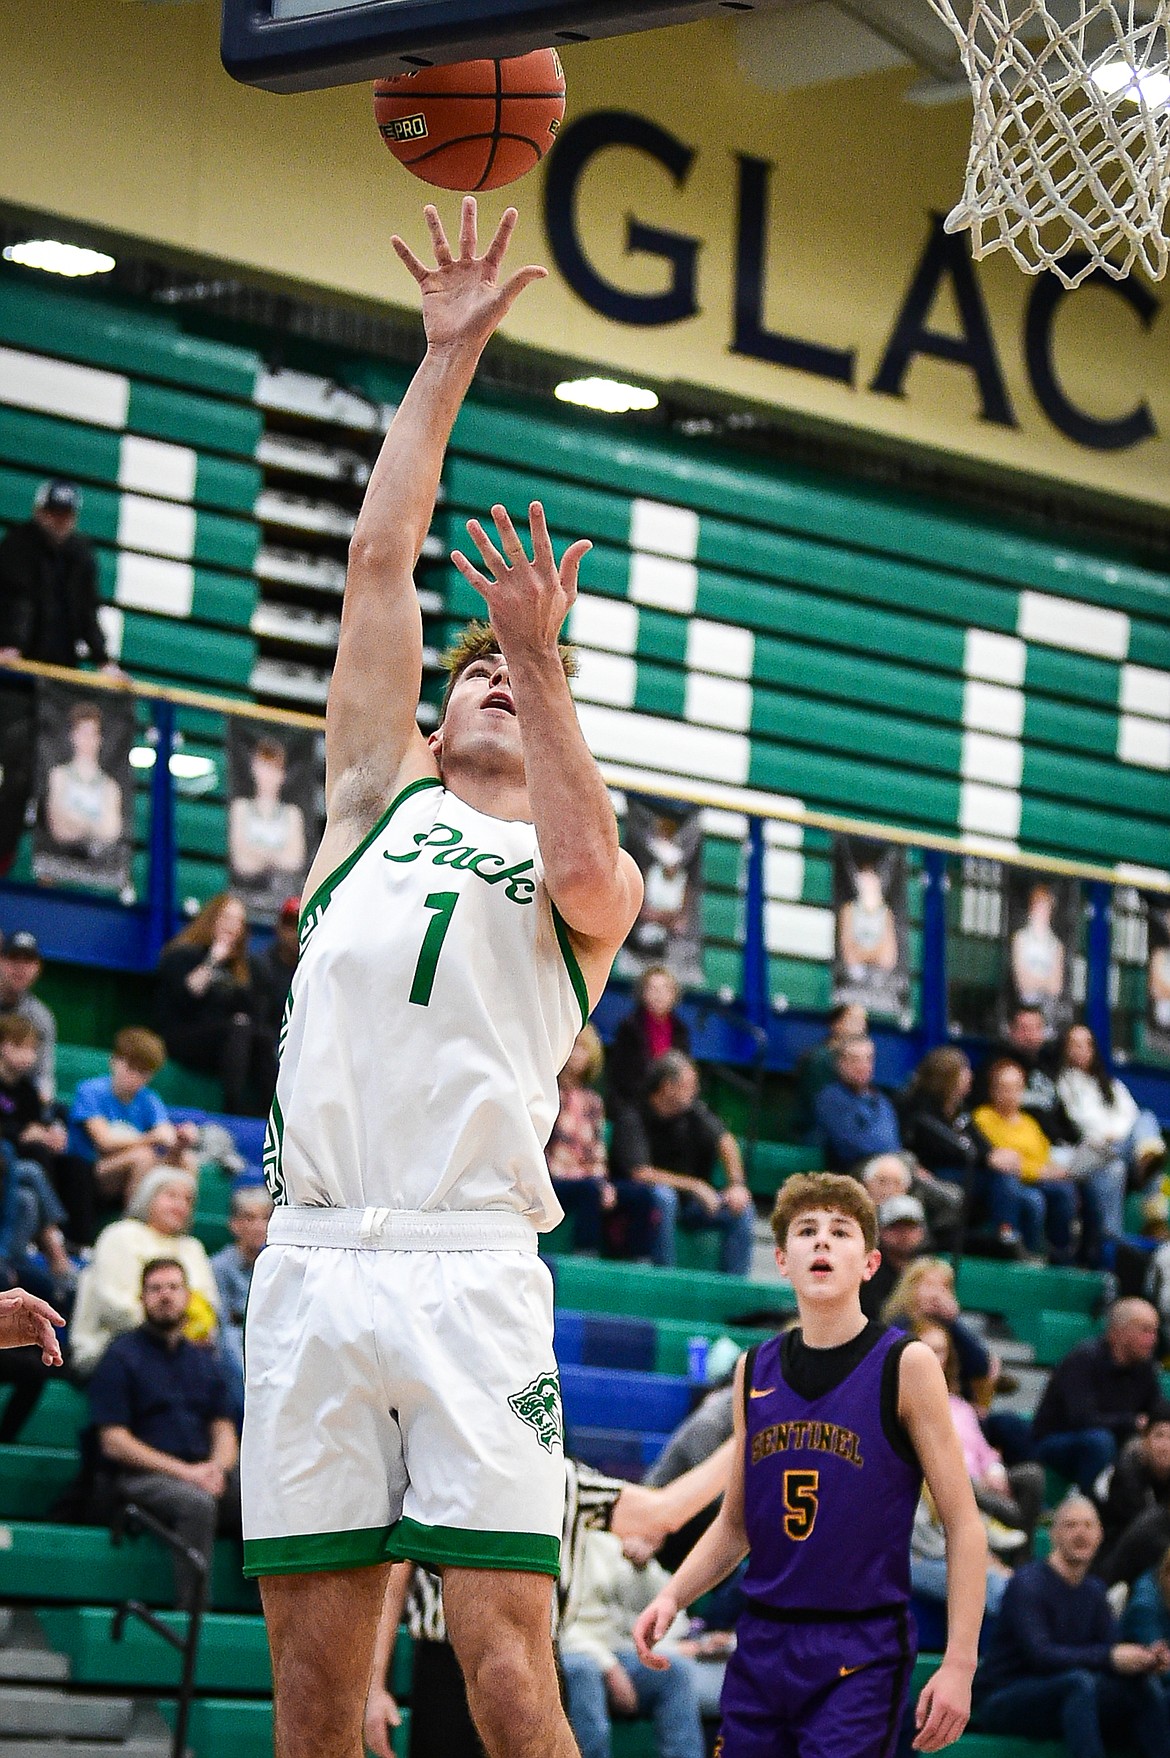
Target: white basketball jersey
[[436, 1000]]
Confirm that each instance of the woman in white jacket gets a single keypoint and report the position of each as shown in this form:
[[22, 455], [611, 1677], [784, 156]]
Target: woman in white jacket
[[1110, 1122]]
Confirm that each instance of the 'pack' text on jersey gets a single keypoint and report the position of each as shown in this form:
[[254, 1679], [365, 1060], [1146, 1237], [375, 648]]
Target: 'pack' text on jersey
[[448, 849]]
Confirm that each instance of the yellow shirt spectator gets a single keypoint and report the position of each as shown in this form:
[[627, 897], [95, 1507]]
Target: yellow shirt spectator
[[1021, 1133]]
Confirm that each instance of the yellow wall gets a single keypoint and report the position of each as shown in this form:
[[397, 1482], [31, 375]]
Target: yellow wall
[[120, 115]]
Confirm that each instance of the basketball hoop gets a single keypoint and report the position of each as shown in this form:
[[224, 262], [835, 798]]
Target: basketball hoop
[[1070, 146]]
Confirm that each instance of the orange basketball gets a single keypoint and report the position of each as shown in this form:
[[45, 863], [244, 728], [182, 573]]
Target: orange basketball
[[473, 124]]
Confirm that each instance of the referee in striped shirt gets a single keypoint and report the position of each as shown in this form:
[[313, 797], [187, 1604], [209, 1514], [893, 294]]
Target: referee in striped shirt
[[440, 1722]]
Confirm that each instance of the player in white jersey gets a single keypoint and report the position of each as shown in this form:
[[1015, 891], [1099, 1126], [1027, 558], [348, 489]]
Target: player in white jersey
[[463, 912]]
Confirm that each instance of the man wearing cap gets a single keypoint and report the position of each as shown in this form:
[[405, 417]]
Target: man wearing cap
[[48, 612], [48, 585], [20, 966], [901, 1237]]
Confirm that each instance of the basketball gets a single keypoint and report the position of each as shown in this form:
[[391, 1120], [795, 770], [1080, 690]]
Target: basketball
[[475, 124]]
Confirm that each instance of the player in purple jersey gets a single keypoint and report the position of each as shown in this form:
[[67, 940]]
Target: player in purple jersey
[[836, 1424]]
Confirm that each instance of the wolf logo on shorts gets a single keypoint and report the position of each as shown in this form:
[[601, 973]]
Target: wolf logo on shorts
[[539, 1405]]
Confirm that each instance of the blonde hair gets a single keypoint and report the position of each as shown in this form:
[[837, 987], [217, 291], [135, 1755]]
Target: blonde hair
[[588, 1036], [824, 1190], [903, 1295], [480, 641]]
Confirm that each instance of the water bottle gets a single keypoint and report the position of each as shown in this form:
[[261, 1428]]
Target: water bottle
[[698, 1349]]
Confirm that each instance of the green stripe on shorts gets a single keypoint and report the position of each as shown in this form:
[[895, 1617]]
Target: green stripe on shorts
[[307, 1551], [438, 1545], [407, 1540]]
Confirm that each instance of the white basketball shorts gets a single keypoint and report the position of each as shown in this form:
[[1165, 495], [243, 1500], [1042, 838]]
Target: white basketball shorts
[[402, 1396]]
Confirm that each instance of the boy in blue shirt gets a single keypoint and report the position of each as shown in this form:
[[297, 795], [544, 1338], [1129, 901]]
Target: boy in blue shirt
[[121, 1126]]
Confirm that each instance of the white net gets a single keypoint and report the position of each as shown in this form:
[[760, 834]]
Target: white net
[[1070, 147]]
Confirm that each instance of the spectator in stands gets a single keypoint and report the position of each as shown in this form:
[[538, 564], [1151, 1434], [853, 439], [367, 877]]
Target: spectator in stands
[[120, 1126], [25, 1119], [1146, 1619], [207, 1006], [272, 971], [673, 1143], [162, 1411], [648, 1032], [1099, 1396], [923, 1295], [818, 1066], [857, 1123], [928, 1561], [48, 586], [603, 1675], [577, 1161], [1136, 1516], [1027, 1044], [1104, 1111], [1031, 1194], [232, 1268], [20, 967], [1014, 1498], [109, 1293], [1055, 1666], [938, 1129], [901, 1239]]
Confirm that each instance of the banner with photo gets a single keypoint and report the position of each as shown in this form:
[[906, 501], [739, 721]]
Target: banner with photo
[[84, 788], [275, 789], [871, 956], [1157, 1010], [666, 840], [1040, 924]]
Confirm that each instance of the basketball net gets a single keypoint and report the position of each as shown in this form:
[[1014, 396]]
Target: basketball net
[[1070, 146]]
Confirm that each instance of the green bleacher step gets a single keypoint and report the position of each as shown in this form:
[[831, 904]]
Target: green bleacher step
[[82, 1565], [988, 1285], [32, 1478], [639, 1290], [61, 1414], [771, 1162], [233, 1650]]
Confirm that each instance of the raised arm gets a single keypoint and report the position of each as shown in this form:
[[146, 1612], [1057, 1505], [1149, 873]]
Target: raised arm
[[370, 723], [592, 881]]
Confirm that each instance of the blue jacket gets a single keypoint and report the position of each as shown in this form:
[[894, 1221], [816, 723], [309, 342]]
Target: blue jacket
[[1146, 1618], [854, 1126], [1046, 1627]]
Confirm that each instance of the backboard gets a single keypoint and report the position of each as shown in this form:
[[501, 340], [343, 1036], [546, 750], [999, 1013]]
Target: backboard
[[300, 45]]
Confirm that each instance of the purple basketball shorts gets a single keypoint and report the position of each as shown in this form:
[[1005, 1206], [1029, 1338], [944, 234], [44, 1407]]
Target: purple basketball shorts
[[835, 1689]]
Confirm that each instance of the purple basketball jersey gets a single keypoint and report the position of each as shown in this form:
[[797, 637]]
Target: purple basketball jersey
[[829, 1498]]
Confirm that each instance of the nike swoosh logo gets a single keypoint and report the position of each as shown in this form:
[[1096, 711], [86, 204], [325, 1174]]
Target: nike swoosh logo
[[762, 1391], [846, 1670]]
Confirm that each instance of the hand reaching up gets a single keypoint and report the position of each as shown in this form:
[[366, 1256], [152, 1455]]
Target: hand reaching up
[[463, 301]]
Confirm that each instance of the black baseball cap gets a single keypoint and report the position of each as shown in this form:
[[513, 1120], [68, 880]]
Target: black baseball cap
[[20, 945], [58, 496]]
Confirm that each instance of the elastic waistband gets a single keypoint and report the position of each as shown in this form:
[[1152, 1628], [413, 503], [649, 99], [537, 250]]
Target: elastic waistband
[[775, 1614], [402, 1229]]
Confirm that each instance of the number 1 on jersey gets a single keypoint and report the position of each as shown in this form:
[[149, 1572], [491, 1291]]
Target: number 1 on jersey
[[443, 903]]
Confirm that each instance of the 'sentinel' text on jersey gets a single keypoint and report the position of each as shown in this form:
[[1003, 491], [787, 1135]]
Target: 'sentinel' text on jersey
[[816, 1437], [447, 848]]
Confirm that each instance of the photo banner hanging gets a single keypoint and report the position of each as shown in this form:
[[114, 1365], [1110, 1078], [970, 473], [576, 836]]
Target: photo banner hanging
[[1157, 1011], [666, 840], [871, 965], [275, 785], [1040, 917], [84, 788]]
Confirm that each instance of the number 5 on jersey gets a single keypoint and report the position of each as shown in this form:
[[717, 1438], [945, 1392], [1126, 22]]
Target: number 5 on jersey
[[443, 903], [801, 1489]]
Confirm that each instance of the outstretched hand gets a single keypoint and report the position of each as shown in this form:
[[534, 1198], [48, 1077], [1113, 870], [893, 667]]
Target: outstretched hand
[[651, 1627], [25, 1319], [462, 300], [944, 1708], [528, 601]]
